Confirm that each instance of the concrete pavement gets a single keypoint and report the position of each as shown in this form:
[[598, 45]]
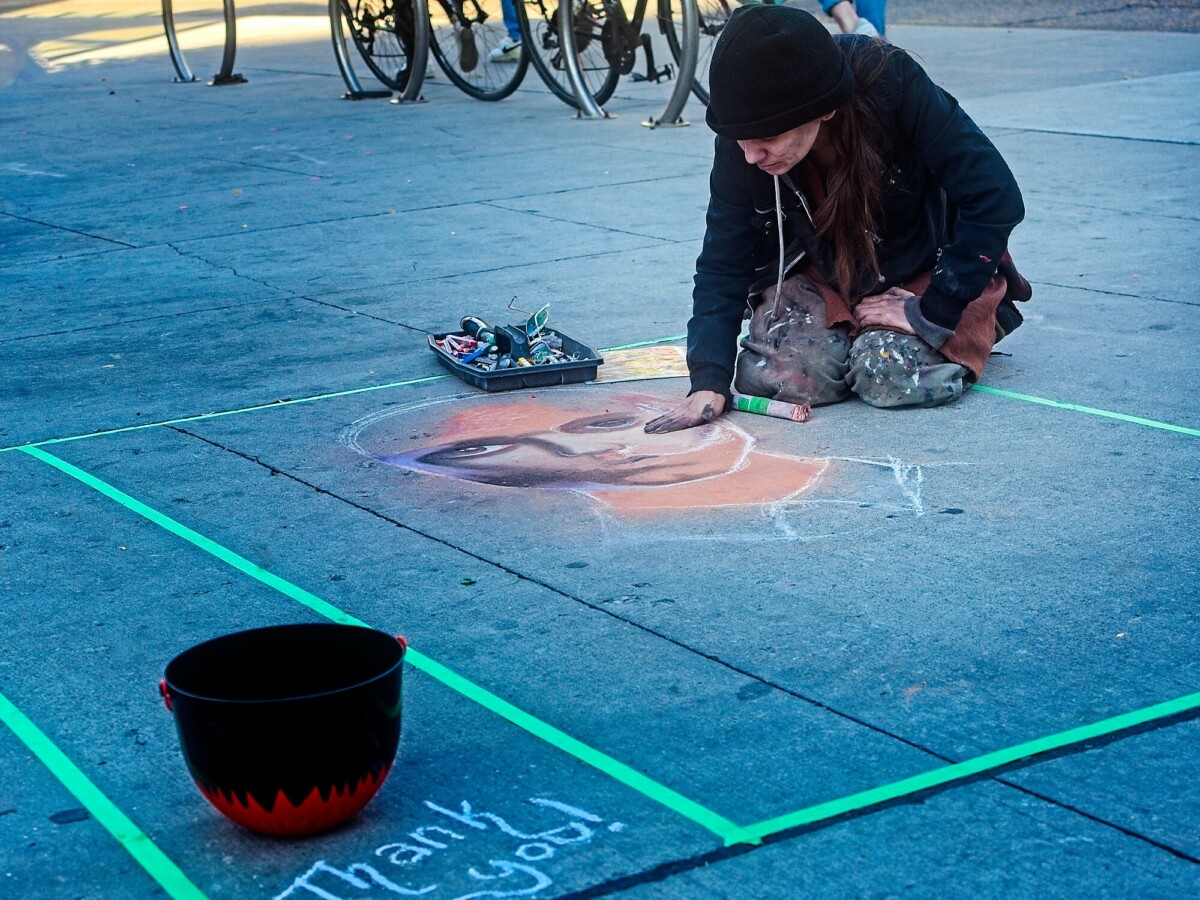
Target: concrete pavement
[[943, 584]]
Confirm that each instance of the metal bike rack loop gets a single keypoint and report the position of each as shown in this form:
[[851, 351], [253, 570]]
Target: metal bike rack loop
[[177, 60], [226, 75], [585, 104], [417, 64], [690, 41]]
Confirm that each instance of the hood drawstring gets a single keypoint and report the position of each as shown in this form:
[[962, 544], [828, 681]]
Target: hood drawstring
[[779, 232]]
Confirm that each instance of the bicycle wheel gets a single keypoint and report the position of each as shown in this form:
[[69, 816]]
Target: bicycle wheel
[[463, 34], [385, 34], [713, 16], [539, 32]]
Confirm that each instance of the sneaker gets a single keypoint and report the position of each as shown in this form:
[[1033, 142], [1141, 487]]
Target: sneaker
[[865, 27], [509, 51]]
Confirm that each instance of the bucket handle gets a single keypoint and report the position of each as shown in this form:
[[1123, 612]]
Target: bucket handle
[[403, 644], [166, 694]]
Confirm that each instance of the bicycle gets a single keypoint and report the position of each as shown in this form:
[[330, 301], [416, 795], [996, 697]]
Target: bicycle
[[541, 37], [463, 34], [713, 14], [606, 42], [391, 36]]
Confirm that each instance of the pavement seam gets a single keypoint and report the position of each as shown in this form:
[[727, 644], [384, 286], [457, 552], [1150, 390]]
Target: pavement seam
[[1056, 199], [505, 268], [95, 237], [177, 315], [1103, 137], [663, 871], [746, 674], [1122, 294], [559, 219]]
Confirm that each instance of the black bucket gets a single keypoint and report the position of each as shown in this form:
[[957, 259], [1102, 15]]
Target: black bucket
[[289, 730]]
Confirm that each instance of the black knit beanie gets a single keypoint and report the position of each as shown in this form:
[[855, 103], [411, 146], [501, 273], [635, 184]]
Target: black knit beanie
[[774, 68]]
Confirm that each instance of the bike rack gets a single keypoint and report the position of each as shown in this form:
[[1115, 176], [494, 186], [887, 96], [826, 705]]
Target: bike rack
[[226, 75], [585, 104], [672, 113], [418, 64]]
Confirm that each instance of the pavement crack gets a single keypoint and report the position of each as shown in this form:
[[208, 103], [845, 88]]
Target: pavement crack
[[988, 775], [230, 269], [358, 312]]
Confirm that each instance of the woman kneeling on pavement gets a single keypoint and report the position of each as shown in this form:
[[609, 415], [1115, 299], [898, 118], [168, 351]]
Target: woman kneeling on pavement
[[858, 214]]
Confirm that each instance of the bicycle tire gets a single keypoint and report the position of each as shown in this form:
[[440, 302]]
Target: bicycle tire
[[713, 16], [539, 32], [454, 23], [385, 34]]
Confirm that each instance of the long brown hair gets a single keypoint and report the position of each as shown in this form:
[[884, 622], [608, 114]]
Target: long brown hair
[[848, 218]]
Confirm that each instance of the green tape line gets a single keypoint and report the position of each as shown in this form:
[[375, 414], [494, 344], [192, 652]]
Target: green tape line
[[229, 412], [631, 777], [132, 838], [1137, 420], [753, 834], [278, 403], [653, 343], [720, 826], [1090, 410]]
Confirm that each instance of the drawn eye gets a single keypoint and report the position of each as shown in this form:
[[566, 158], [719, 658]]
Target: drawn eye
[[448, 456], [474, 450], [602, 422]]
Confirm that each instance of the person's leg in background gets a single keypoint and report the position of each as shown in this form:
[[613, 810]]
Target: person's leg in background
[[510, 50], [865, 18], [875, 12]]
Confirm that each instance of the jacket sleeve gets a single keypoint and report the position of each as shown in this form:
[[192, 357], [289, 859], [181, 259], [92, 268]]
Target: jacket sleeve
[[980, 187], [724, 272]]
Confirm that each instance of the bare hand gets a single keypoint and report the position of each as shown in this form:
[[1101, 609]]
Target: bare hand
[[884, 310], [698, 409]]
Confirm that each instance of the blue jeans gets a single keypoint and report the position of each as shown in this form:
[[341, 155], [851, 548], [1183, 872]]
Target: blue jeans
[[874, 11], [510, 20]]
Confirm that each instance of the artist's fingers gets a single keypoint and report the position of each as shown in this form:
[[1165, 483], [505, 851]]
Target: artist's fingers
[[676, 420], [667, 422]]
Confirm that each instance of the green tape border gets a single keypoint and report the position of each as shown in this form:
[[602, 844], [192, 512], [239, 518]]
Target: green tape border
[[1089, 410], [982, 388], [276, 404], [723, 828], [958, 771], [617, 770], [156, 863]]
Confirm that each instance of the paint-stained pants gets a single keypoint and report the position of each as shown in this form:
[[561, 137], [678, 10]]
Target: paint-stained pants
[[790, 355]]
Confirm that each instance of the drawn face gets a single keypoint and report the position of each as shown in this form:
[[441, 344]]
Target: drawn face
[[541, 443]]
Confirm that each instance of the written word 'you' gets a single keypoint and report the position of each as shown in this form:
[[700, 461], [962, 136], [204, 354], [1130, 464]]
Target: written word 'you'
[[332, 883]]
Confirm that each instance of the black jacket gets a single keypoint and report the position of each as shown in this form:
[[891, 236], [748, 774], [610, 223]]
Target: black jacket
[[949, 204]]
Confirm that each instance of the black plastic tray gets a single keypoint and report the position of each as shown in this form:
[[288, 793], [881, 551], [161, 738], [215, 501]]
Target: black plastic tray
[[571, 372]]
